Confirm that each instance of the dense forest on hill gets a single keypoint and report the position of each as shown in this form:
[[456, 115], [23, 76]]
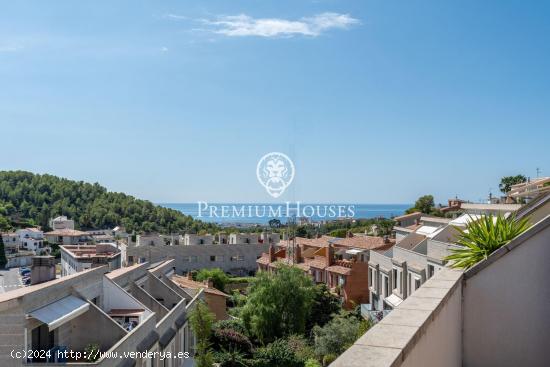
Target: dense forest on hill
[[27, 198]]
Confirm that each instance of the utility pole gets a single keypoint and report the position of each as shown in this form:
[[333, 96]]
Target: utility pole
[[538, 172]]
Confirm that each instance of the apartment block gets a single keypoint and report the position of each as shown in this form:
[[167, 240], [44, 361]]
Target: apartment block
[[471, 318], [76, 258], [134, 309], [340, 263], [237, 259], [195, 239]]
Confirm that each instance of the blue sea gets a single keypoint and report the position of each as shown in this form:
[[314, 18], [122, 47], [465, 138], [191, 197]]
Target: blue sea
[[360, 211]]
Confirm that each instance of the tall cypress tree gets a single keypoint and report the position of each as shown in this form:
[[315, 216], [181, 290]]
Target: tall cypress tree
[[3, 259]]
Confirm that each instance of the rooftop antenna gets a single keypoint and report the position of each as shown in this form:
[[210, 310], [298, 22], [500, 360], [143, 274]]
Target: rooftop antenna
[[538, 172]]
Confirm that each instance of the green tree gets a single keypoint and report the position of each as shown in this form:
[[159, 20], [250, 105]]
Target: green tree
[[278, 304], [277, 354], [342, 233], [336, 336], [482, 237], [201, 324], [324, 306], [3, 260], [4, 224], [34, 198], [274, 223], [425, 204], [218, 277], [507, 182]]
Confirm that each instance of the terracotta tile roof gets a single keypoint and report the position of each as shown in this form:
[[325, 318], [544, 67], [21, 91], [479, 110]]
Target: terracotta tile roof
[[339, 269], [312, 242], [184, 282], [264, 260], [363, 242], [317, 263], [309, 252], [303, 266]]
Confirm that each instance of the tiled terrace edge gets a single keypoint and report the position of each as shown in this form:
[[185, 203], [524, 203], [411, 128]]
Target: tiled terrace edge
[[430, 317]]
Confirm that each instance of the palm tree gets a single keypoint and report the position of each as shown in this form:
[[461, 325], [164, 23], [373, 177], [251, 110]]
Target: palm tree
[[483, 236]]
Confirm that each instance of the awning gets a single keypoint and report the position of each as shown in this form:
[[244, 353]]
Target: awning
[[354, 251], [57, 313], [393, 300]]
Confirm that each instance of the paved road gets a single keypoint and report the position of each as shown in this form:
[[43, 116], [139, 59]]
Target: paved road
[[10, 280]]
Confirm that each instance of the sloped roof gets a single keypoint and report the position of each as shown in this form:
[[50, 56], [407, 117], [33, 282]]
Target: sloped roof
[[185, 282]]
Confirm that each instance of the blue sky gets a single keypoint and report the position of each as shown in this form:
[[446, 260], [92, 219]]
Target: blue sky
[[375, 101]]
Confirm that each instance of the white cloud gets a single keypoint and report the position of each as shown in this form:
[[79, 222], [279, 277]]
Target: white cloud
[[164, 49], [244, 25], [10, 48], [176, 16]]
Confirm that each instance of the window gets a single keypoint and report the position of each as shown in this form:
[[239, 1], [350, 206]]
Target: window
[[237, 258], [216, 258], [190, 259], [370, 277], [341, 280], [416, 283], [394, 279], [431, 271], [386, 286]]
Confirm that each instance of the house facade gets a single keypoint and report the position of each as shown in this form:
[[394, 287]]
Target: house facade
[[135, 309]]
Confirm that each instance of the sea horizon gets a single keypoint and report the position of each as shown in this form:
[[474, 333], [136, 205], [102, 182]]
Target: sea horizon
[[362, 211]]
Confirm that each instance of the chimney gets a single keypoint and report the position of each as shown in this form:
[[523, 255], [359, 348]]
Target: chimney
[[209, 283], [42, 269], [271, 253], [386, 239], [285, 237], [298, 254], [189, 275], [330, 255]]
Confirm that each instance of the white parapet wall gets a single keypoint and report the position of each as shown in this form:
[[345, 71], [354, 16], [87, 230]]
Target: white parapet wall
[[424, 331]]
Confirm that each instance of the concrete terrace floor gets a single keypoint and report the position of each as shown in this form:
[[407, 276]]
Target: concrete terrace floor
[[10, 280]]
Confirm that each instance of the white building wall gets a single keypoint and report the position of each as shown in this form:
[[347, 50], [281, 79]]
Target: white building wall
[[506, 317]]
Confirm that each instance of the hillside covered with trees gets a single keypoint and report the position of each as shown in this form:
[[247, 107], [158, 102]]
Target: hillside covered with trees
[[32, 199]]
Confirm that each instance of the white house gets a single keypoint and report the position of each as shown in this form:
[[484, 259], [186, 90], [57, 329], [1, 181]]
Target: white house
[[61, 222], [31, 239]]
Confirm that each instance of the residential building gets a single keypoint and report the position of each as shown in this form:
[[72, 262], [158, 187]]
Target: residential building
[[214, 298], [134, 309], [488, 315], [61, 222], [237, 259], [530, 189], [32, 239], [340, 263], [406, 224], [458, 207], [398, 272], [68, 237], [247, 238], [76, 258], [195, 239], [150, 239], [11, 241]]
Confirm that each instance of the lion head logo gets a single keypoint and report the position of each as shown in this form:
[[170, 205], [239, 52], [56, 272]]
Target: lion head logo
[[275, 171]]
